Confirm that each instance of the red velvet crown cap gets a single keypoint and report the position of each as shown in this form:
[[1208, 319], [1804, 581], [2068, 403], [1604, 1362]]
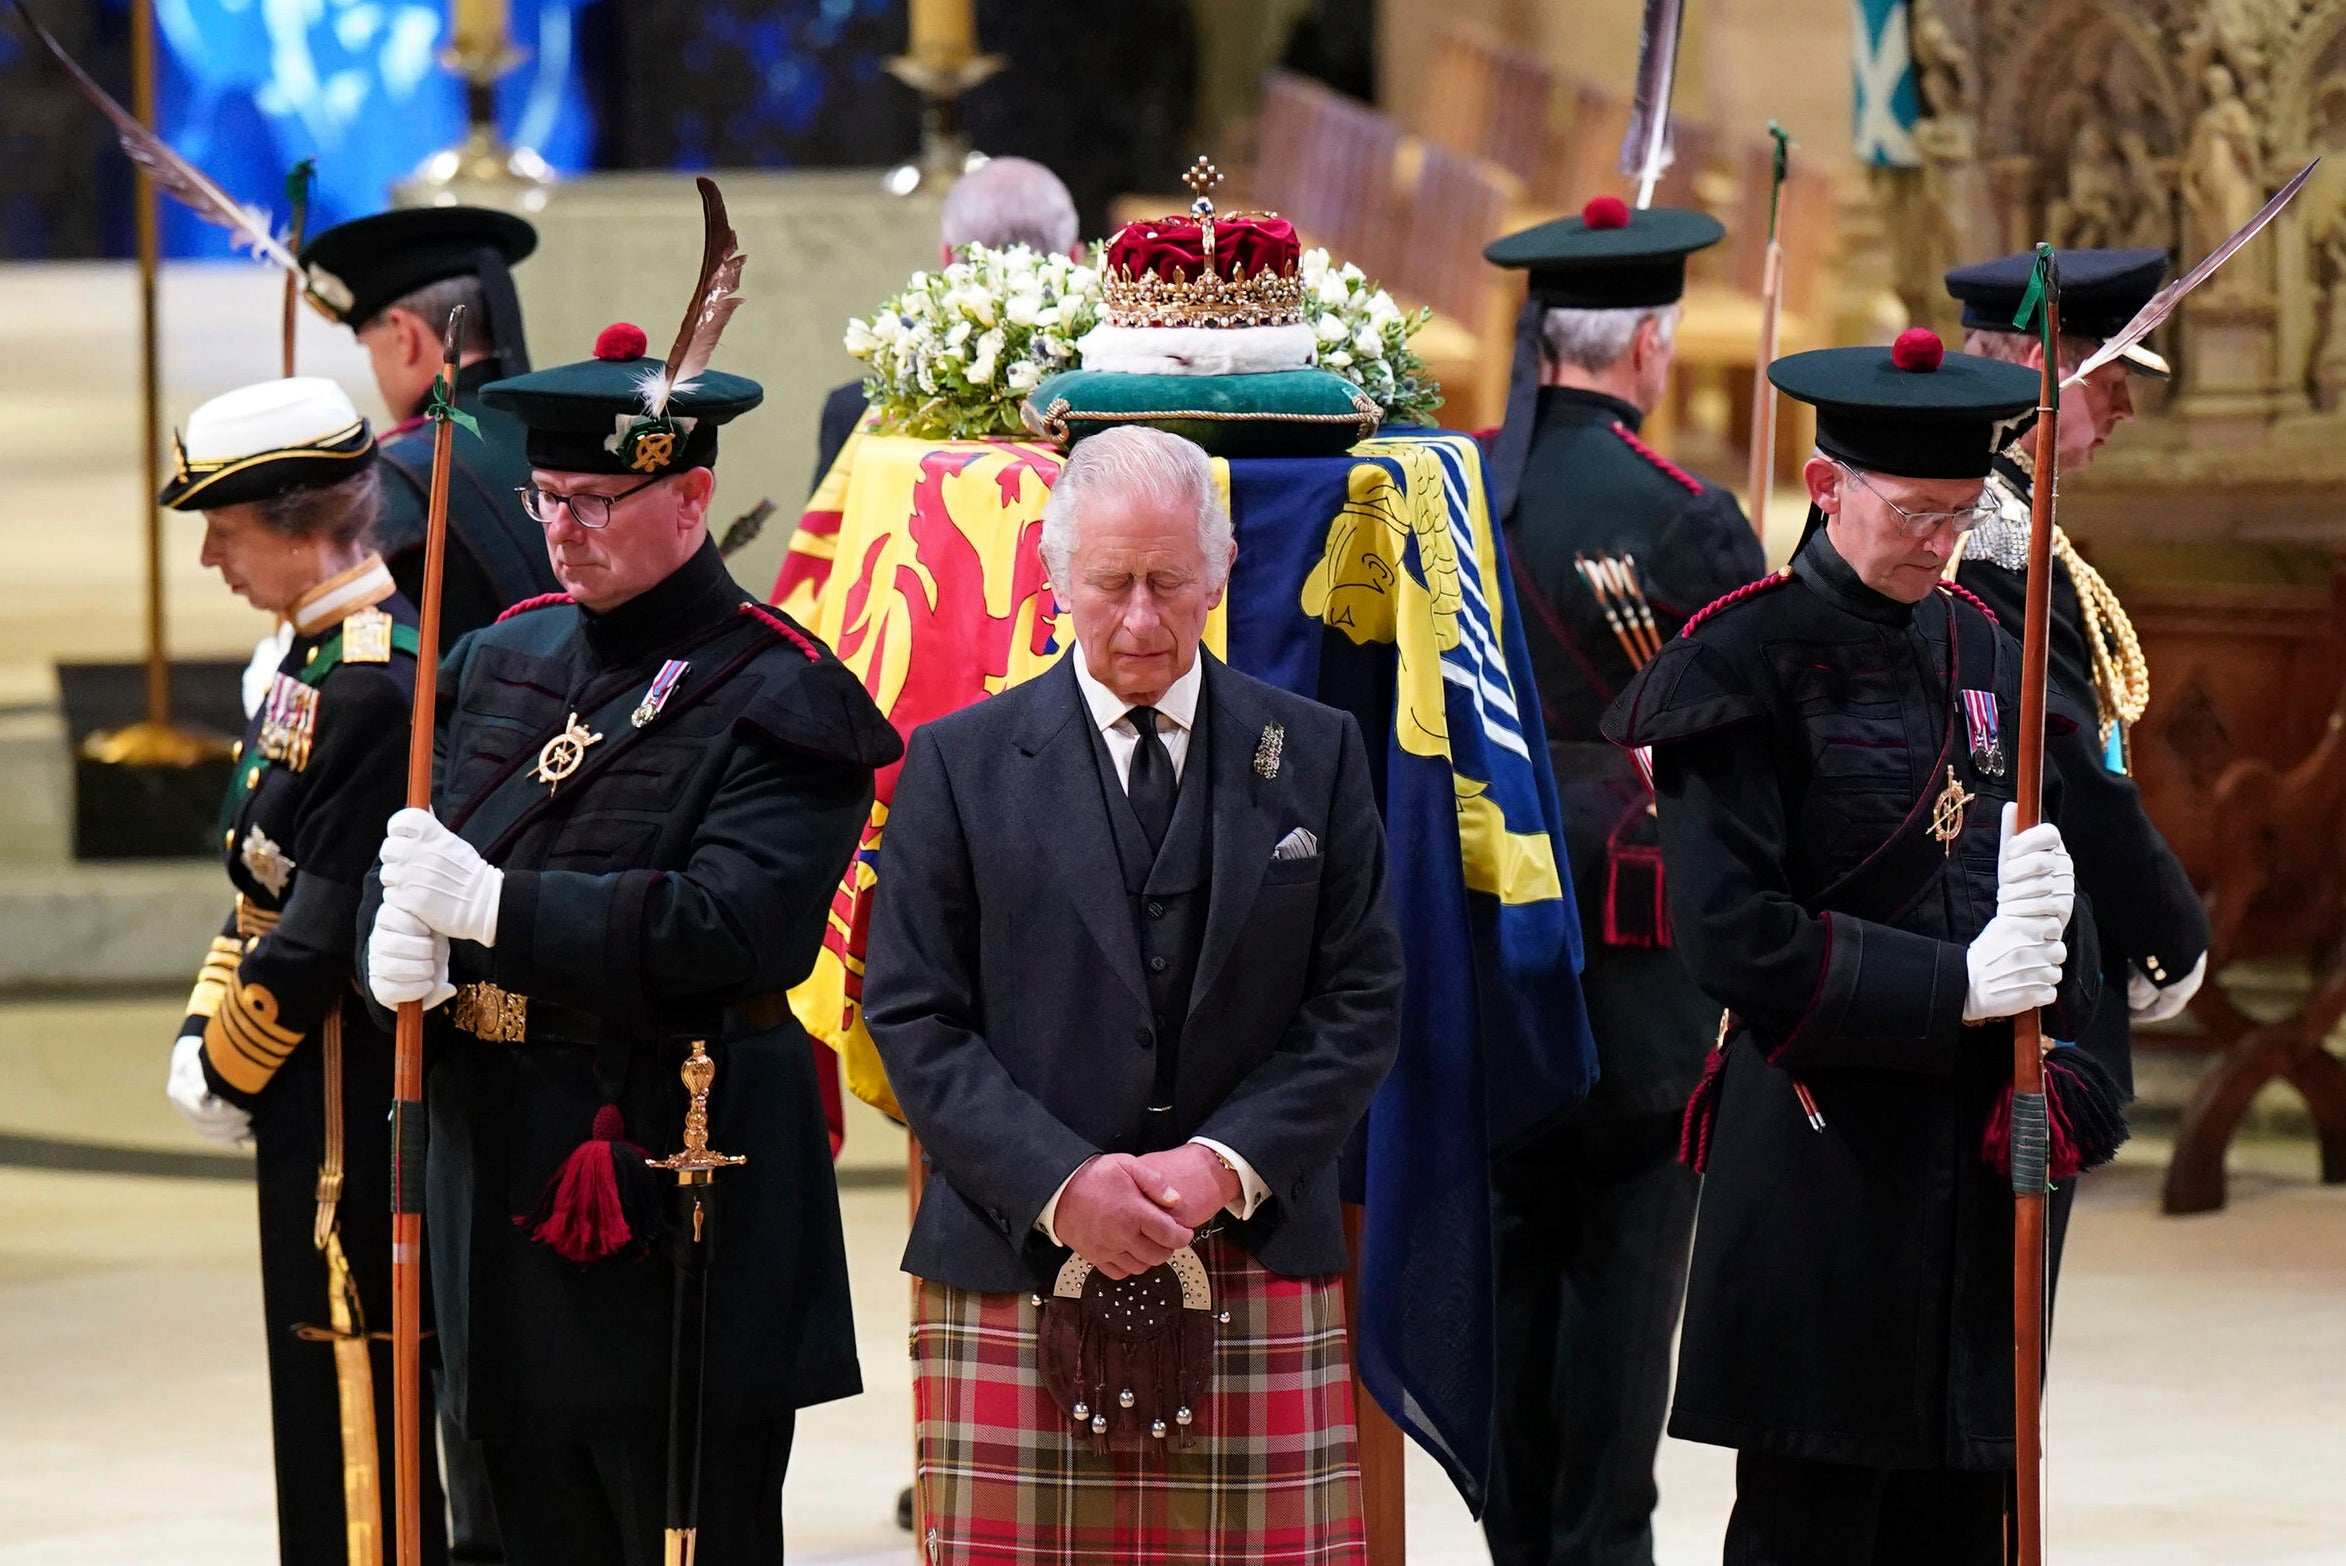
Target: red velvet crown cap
[[1174, 249]]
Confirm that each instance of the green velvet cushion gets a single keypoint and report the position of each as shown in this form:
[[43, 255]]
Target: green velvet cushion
[[1282, 413]]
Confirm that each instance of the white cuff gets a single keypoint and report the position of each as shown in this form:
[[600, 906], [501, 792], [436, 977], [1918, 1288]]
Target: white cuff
[[1048, 1219], [1252, 1193]]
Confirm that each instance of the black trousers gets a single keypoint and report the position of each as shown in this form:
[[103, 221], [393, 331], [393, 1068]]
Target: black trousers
[[606, 1504], [305, 1411], [1593, 1228], [1790, 1511]]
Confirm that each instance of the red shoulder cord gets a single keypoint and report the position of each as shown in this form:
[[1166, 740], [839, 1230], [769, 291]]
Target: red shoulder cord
[[1747, 590], [542, 601], [1692, 483], [784, 629], [1969, 597]]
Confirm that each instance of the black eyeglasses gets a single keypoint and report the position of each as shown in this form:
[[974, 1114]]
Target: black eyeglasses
[[590, 511], [1922, 524]]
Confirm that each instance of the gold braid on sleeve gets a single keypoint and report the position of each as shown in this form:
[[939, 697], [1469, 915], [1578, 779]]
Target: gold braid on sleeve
[[2121, 677]]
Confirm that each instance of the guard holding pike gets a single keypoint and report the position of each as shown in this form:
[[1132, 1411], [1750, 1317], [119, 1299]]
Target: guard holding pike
[[1837, 756], [1613, 547], [647, 789]]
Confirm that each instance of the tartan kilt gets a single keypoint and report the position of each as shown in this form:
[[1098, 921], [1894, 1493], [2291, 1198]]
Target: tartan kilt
[[1001, 1476]]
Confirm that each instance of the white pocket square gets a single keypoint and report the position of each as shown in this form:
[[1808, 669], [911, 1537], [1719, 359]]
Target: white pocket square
[[1298, 844]]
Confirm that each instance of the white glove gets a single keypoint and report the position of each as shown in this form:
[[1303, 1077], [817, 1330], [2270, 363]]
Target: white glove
[[441, 879], [215, 1119], [2015, 967], [268, 653], [406, 961], [2148, 1001], [2034, 878]]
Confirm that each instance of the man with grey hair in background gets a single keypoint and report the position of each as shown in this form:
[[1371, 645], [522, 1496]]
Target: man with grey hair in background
[[1594, 1215], [1134, 978], [1001, 202]]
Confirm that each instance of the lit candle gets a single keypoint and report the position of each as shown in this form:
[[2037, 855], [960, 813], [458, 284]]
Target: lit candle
[[480, 25], [943, 29]]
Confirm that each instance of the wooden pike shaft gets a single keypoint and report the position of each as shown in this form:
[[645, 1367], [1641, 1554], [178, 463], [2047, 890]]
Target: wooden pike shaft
[[1763, 391], [407, 1068], [2028, 1061]]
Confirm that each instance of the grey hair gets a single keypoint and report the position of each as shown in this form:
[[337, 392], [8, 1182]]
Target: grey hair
[[434, 303], [1135, 459], [342, 512], [1594, 339], [1009, 201]]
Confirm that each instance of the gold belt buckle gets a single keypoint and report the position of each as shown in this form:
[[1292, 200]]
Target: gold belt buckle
[[487, 1012]]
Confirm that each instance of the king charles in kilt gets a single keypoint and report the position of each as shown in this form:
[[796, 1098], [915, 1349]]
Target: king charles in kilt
[[276, 1047], [1134, 978], [645, 794], [1833, 758]]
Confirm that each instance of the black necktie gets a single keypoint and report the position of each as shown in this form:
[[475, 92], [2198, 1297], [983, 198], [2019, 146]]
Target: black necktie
[[1150, 782]]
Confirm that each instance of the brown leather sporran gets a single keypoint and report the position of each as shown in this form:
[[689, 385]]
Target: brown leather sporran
[[1129, 1360]]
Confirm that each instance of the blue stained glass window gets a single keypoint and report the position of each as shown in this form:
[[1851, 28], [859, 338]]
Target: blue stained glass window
[[248, 88]]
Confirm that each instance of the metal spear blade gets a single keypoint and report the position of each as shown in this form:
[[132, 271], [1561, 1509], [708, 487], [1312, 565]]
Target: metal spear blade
[[1646, 151], [2162, 304]]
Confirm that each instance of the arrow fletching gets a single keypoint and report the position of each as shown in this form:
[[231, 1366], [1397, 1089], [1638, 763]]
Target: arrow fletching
[[1646, 153], [2162, 304]]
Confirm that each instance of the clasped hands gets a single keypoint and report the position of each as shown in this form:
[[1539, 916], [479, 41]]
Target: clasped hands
[[1126, 1213], [436, 888]]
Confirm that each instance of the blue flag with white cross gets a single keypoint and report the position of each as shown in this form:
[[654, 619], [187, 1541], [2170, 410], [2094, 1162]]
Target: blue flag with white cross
[[1884, 99]]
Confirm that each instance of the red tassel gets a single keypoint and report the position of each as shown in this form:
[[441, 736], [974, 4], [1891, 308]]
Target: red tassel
[[2083, 1108], [581, 1216], [1702, 1111]]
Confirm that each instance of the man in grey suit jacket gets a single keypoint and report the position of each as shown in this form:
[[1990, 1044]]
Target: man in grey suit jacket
[[1134, 977]]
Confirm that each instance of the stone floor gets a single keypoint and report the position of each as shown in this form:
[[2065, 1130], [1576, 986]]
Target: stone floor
[[2198, 1408]]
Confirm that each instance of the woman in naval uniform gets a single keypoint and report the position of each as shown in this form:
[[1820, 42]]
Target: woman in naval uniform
[[276, 1050]]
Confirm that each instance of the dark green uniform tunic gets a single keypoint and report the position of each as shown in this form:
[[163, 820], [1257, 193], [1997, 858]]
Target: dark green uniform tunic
[[496, 554], [671, 889], [298, 835], [1593, 1218]]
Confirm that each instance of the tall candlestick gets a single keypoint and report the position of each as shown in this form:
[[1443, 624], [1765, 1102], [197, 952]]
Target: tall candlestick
[[943, 29], [482, 26]]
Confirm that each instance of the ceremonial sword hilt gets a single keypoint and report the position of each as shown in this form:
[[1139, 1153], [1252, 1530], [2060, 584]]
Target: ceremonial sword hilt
[[694, 1164]]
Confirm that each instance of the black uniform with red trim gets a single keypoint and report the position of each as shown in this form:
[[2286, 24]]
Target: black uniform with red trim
[[670, 888], [321, 768], [1850, 1298], [1591, 487]]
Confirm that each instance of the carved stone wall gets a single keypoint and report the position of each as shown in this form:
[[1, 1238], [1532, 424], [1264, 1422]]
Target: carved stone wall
[[2163, 123]]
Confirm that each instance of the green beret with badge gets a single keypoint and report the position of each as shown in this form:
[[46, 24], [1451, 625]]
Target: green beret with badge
[[623, 412]]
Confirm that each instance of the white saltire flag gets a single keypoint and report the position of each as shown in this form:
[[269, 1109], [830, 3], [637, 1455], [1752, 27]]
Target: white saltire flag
[[1884, 99]]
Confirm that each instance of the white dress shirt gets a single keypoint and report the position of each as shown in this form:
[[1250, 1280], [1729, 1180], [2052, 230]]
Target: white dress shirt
[[1176, 715]]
